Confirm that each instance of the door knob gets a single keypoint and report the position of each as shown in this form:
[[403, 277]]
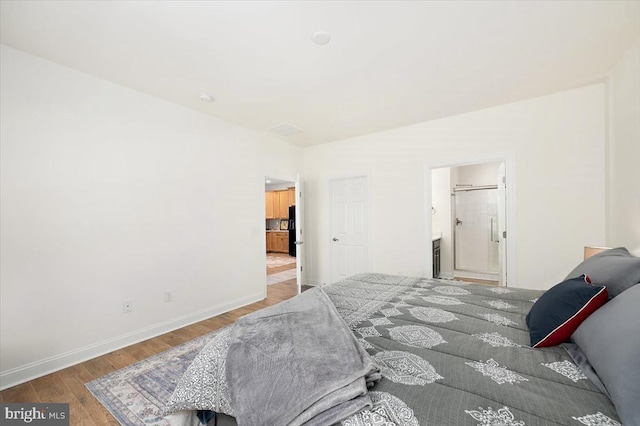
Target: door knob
[[335, 239], [298, 243]]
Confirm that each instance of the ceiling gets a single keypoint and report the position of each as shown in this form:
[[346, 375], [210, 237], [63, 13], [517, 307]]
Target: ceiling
[[388, 63]]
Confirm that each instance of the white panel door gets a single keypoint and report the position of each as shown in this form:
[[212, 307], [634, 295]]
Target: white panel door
[[349, 227]]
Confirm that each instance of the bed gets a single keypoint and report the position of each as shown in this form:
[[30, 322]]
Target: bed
[[429, 352]]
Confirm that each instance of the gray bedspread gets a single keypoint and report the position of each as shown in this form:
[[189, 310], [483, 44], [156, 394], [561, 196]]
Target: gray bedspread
[[450, 353], [297, 363]]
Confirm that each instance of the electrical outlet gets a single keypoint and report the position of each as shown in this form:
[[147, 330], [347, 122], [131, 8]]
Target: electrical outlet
[[168, 297], [127, 306]]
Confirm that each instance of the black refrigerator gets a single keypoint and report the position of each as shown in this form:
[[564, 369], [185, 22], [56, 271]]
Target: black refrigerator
[[292, 231]]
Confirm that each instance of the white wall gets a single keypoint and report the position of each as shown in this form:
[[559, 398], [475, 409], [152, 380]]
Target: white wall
[[557, 143], [623, 213], [109, 194], [478, 174]]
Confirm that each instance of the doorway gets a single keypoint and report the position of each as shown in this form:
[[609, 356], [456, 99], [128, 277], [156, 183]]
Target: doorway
[[469, 219], [280, 226]]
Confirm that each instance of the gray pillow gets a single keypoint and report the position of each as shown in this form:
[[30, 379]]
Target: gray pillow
[[615, 269], [610, 339]]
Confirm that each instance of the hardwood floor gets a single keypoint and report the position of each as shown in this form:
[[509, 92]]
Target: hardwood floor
[[68, 385], [476, 280]]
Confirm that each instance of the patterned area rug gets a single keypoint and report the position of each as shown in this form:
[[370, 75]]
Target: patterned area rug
[[137, 394], [274, 261]]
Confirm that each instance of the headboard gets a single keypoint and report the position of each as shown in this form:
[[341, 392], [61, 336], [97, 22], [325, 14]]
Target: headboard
[[591, 250]]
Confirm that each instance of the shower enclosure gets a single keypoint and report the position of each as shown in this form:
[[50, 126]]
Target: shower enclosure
[[476, 232]]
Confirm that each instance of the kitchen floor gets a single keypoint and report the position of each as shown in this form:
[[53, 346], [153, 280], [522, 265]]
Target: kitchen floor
[[276, 269], [280, 260]]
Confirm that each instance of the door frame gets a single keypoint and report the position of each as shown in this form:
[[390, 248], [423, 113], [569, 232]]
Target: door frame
[[508, 270]]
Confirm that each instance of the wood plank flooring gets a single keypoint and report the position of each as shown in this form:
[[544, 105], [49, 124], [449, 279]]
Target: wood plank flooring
[[477, 281], [68, 385]]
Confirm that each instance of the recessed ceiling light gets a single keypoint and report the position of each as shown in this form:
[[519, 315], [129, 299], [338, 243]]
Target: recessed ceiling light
[[285, 129], [205, 97], [321, 37], [267, 181]]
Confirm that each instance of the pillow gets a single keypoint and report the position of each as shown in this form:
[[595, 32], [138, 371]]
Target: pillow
[[561, 309], [610, 339], [580, 359], [615, 269]]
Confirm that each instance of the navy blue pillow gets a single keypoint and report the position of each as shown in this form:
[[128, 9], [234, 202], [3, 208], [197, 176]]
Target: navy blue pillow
[[561, 309]]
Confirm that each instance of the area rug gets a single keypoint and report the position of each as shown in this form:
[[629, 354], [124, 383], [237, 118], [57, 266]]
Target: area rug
[[274, 261], [137, 394], [289, 274]]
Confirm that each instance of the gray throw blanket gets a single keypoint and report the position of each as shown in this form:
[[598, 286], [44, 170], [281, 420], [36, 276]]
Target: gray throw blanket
[[297, 363]]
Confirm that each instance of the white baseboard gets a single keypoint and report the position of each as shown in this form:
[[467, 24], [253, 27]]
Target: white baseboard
[[312, 283], [27, 372]]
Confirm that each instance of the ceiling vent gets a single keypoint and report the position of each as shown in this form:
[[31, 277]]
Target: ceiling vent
[[285, 129]]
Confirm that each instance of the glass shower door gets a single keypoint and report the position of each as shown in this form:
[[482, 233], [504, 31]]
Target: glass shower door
[[476, 230]]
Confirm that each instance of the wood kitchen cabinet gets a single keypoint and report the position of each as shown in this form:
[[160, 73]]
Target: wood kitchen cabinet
[[292, 197], [268, 205], [281, 242], [272, 205], [277, 204], [269, 241], [278, 241], [283, 198]]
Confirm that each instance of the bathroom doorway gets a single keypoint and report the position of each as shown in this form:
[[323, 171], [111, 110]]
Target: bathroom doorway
[[470, 219]]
